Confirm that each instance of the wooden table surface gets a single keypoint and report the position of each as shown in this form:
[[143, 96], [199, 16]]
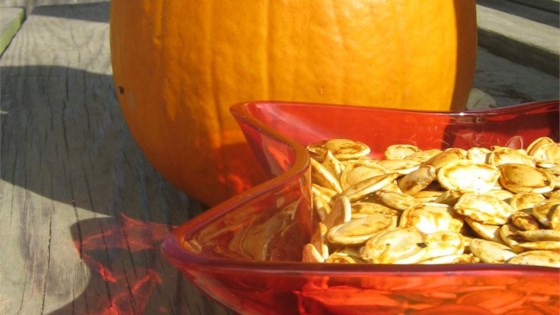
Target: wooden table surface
[[82, 212]]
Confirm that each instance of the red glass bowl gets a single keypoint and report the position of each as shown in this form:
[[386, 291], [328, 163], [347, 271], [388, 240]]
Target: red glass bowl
[[246, 252]]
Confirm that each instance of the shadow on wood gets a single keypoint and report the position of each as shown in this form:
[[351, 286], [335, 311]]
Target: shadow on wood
[[87, 210]]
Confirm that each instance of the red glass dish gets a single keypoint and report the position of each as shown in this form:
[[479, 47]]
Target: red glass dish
[[246, 252]]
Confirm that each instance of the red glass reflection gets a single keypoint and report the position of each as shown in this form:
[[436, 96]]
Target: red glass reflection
[[126, 291]]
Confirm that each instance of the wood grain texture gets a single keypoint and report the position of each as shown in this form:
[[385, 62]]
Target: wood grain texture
[[82, 211], [10, 22], [29, 5]]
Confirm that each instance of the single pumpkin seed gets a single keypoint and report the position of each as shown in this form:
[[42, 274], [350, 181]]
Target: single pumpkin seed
[[505, 155], [478, 155], [467, 176], [358, 171], [332, 164], [490, 252], [488, 232], [547, 155], [417, 180], [431, 218], [483, 208], [402, 167], [398, 245], [444, 243], [322, 176], [368, 186], [538, 143], [547, 210], [400, 151], [508, 235], [360, 230], [395, 199], [520, 178], [345, 149], [341, 212], [537, 258], [310, 254], [540, 235], [447, 156], [524, 220]]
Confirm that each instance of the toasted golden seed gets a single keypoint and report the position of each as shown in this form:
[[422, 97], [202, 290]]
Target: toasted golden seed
[[483, 208], [553, 195], [444, 243], [394, 246], [554, 173], [466, 176], [399, 166], [508, 234], [400, 151], [554, 218], [488, 232], [428, 195], [449, 197], [540, 235], [546, 210], [341, 212], [358, 171], [342, 149], [547, 155], [546, 245], [424, 155], [520, 178], [324, 177], [501, 194], [490, 252], [446, 157], [538, 143], [363, 208], [319, 241], [431, 218], [417, 180], [332, 164], [393, 186], [368, 186], [537, 258], [505, 155], [527, 200], [324, 192], [360, 230], [478, 155], [396, 200], [524, 220], [311, 254], [322, 207]]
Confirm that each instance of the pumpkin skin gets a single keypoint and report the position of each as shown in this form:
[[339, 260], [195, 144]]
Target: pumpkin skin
[[179, 65]]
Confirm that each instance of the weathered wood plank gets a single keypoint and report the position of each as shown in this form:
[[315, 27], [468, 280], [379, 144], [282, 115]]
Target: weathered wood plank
[[82, 212], [28, 5], [522, 34], [10, 21]]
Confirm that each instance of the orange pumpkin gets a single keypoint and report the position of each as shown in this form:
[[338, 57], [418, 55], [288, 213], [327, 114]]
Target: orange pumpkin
[[179, 65]]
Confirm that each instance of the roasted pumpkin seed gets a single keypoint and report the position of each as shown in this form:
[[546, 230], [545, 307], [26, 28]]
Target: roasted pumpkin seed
[[410, 207]]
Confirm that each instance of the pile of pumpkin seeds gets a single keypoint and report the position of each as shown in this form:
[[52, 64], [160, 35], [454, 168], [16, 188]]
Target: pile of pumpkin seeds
[[481, 205]]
